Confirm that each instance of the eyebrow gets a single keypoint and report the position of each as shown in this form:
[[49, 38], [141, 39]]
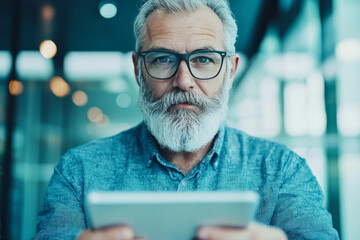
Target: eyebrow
[[160, 49], [205, 48], [171, 50]]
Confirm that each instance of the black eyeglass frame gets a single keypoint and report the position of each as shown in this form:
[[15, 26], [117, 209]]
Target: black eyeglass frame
[[186, 58]]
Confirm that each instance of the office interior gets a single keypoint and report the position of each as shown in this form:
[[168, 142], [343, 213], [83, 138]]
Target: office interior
[[66, 78]]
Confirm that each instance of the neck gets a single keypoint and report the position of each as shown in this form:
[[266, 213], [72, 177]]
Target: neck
[[185, 161]]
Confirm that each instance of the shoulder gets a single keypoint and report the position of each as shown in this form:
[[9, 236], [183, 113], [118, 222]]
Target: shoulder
[[103, 149], [254, 144], [120, 140], [95, 163], [260, 153]]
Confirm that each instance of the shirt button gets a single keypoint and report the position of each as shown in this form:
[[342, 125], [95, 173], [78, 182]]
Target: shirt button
[[149, 162], [216, 164], [183, 183]]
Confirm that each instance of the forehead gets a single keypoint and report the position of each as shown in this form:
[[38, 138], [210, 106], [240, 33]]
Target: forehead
[[184, 31]]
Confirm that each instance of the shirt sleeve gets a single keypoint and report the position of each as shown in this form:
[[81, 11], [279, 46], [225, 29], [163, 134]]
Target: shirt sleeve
[[299, 210], [62, 216]]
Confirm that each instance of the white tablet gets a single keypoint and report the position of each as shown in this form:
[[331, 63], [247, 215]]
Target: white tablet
[[171, 215]]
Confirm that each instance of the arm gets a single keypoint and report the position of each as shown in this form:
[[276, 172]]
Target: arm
[[299, 209], [62, 216], [298, 214]]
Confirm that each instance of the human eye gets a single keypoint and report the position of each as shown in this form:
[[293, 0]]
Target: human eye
[[203, 59], [163, 60], [160, 58]]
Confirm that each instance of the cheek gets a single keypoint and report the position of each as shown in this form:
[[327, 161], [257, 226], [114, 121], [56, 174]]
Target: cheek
[[158, 87], [211, 87]]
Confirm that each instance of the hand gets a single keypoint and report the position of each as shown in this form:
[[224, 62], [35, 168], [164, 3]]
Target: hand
[[111, 233], [253, 232]]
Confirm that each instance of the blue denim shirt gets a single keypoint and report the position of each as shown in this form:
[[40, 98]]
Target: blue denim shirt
[[290, 196]]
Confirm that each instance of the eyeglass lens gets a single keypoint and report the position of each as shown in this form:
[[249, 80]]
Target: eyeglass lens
[[203, 65]]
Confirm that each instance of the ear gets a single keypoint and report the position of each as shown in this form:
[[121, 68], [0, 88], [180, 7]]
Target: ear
[[135, 59], [234, 59]]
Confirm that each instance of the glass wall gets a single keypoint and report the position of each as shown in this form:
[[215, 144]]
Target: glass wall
[[348, 72], [285, 96]]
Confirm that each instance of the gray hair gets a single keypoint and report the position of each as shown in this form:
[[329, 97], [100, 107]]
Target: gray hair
[[220, 7]]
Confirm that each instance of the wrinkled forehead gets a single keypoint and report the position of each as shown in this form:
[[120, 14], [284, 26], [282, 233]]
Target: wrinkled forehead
[[183, 30]]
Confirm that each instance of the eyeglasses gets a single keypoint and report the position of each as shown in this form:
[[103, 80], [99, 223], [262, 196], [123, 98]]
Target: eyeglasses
[[202, 64]]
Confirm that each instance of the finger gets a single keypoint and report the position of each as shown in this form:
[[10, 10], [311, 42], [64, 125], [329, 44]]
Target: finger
[[222, 233], [113, 233], [122, 232], [259, 231]]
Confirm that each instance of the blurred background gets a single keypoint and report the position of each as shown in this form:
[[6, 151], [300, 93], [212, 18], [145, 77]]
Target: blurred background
[[66, 78]]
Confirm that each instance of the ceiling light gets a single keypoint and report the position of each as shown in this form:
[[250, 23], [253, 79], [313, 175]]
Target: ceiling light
[[48, 49], [107, 9], [47, 13]]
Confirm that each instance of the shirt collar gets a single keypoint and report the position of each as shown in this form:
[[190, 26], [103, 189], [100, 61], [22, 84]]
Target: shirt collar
[[213, 155], [151, 152], [148, 145]]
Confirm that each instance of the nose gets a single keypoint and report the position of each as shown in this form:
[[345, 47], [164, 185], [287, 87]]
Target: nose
[[183, 78]]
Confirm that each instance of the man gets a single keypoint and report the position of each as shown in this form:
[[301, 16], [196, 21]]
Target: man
[[185, 63]]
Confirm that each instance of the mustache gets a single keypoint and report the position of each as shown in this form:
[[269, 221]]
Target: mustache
[[178, 96]]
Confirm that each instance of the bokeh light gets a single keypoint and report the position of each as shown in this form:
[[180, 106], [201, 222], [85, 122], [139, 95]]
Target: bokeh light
[[348, 50], [104, 122], [348, 115], [95, 115], [48, 49], [47, 13], [59, 87], [79, 98], [123, 100], [15, 87], [107, 9]]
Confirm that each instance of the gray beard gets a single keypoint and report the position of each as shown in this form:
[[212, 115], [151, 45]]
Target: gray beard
[[183, 130]]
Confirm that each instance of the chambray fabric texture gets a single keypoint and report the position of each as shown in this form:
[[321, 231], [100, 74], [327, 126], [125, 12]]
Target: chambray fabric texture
[[290, 196]]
